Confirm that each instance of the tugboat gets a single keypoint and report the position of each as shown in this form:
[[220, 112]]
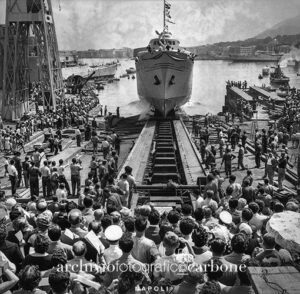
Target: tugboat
[[164, 71], [277, 77]]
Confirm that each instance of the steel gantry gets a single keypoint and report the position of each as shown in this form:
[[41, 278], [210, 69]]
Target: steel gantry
[[30, 20]]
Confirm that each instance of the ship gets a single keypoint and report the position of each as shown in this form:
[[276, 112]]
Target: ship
[[164, 71], [71, 66], [277, 77], [105, 71]]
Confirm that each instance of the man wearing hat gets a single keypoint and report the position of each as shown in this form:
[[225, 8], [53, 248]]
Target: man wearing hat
[[113, 234]]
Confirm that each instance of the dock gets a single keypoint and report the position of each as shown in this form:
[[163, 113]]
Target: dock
[[235, 99], [260, 92]]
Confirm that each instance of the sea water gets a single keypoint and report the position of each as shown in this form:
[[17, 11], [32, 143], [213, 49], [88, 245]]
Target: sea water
[[209, 85]]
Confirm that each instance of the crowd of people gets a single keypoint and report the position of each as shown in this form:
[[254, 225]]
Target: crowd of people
[[98, 244], [101, 245], [238, 84]]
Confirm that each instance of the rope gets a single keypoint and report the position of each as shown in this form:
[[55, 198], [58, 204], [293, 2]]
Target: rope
[[279, 289]]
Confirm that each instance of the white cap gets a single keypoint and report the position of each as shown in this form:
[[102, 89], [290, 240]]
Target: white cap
[[225, 217], [113, 233], [10, 203], [245, 228]]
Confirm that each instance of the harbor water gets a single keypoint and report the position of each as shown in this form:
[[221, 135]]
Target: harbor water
[[209, 85]]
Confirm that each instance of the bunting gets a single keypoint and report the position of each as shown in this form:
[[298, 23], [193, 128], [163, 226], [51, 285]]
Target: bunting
[[170, 21], [167, 5], [167, 13]]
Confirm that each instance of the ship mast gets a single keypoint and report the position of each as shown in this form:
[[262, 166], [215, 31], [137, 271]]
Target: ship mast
[[164, 24]]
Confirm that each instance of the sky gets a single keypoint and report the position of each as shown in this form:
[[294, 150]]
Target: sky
[[103, 24]]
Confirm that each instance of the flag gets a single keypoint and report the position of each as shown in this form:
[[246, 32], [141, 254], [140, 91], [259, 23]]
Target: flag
[[167, 5], [168, 14], [168, 20]]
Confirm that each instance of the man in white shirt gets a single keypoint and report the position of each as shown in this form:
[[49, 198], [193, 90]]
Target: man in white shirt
[[61, 193], [105, 148], [172, 266], [124, 186], [113, 234], [143, 249], [13, 175]]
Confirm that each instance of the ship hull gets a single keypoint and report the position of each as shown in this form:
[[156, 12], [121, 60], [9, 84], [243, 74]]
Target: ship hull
[[102, 72], [164, 79]]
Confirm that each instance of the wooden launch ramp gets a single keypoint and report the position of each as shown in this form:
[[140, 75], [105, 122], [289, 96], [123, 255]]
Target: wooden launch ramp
[[166, 165]]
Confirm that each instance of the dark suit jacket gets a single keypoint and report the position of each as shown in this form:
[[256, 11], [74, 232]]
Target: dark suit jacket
[[12, 252]]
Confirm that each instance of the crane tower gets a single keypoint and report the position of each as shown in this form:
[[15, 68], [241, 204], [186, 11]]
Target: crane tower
[[25, 20]]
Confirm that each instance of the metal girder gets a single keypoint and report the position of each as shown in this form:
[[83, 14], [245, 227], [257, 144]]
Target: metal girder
[[23, 17]]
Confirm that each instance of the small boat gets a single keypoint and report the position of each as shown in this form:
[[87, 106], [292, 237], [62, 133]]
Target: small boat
[[116, 79], [265, 71], [131, 70], [133, 77], [260, 77]]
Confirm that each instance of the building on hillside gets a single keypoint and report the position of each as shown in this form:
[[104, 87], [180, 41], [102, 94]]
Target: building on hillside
[[247, 50], [233, 50], [284, 48]]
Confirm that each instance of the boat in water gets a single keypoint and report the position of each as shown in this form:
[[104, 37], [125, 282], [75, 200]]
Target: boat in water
[[131, 70], [277, 77], [265, 70], [164, 71], [71, 66], [101, 72]]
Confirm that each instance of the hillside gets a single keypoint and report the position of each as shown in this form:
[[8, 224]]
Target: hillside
[[289, 26]]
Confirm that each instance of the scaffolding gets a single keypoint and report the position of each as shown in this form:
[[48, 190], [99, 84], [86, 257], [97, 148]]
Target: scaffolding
[[25, 19]]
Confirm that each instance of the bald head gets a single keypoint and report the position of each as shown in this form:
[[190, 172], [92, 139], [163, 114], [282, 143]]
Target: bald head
[[98, 214], [79, 248], [75, 217]]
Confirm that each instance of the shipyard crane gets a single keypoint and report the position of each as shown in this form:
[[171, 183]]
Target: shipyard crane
[[76, 83], [30, 45]]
